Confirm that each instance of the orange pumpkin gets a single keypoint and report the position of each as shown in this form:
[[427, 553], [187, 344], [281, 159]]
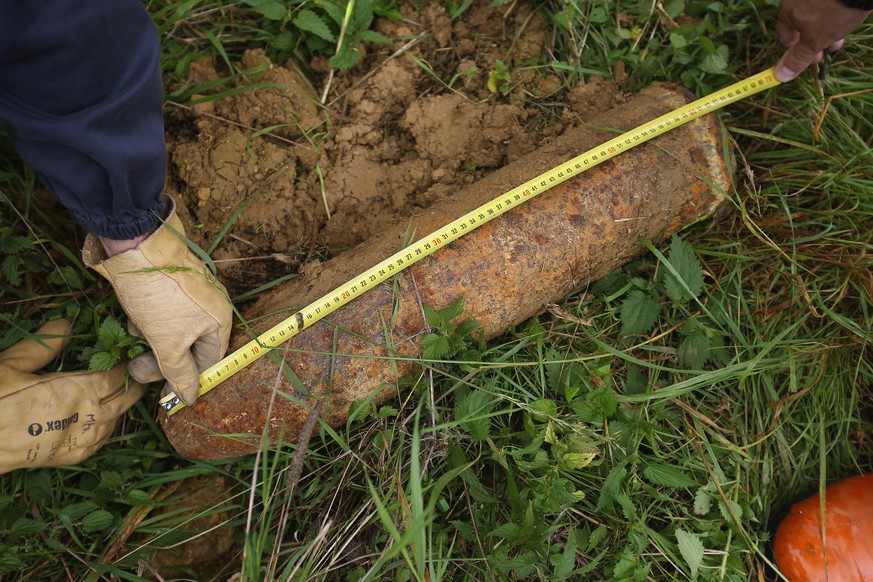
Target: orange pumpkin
[[798, 548]]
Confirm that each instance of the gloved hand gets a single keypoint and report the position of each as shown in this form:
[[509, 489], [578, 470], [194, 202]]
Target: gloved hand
[[171, 300], [807, 27], [60, 418]]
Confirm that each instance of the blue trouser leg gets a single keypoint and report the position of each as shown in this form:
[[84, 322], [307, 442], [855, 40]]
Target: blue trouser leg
[[81, 95]]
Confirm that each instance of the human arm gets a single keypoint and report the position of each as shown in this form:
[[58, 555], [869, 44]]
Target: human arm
[[808, 27], [82, 96]]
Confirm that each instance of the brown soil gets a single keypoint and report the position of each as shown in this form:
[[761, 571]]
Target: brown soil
[[301, 177]]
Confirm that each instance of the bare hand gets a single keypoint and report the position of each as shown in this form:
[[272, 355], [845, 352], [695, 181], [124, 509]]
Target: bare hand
[[807, 27]]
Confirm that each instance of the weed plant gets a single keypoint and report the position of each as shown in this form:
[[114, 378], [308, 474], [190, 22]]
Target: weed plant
[[648, 428]]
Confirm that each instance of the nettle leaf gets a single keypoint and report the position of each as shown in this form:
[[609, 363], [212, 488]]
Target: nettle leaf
[[565, 563], [730, 511], [465, 328], [603, 401], [689, 283], [271, 9], [691, 549], [611, 487], [465, 529], [639, 312], [373, 36], [11, 245], [715, 62], [524, 564], [346, 58], [309, 21], [334, 10], [66, 275], [578, 460], [434, 346], [24, 526], [540, 461], [9, 267], [76, 510], [432, 317], [101, 361], [702, 502], [472, 410], [678, 40], [135, 350], [668, 476], [111, 334], [693, 351], [97, 521], [635, 382], [544, 407], [363, 15], [449, 313]]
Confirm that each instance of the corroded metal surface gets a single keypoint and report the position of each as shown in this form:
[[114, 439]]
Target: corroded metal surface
[[507, 271]]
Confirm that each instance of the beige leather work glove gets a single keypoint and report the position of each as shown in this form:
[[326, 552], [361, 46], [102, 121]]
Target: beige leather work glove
[[172, 301], [60, 418]]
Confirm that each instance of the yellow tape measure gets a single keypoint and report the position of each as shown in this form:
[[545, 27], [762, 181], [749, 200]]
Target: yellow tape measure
[[400, 260]]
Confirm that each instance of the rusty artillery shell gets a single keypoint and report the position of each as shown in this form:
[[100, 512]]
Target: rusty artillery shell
[[506, 270]]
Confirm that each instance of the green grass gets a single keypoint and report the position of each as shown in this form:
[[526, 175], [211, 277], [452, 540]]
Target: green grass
[[566, 449]]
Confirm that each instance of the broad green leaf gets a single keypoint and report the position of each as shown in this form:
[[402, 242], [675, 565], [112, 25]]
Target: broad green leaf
[[465, 328], [432, 317], [731, 507], [611, 487], [566, 563], [689, 283], [272, 9], [111, 334], [603, 401], [544, 407], [715, 62], [509, 531], [635, 382], [693, 351], [97, 521], [140, 497], [373, 36], [677, 40], [578, 460], [363, 15], [597, 536], [471, 412], [67, 276], [346, 58], [334, 10], [9, 267], [311, 22], [77, 510], [101, 361], [523, 564], [639, 312], [674, 8], [449, 313], [434, 346], [24, 526], [667, 476], [540, 461], [465, 529], [691, 549], [702, 502]]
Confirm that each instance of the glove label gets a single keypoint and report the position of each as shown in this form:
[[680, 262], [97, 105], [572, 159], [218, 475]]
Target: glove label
[[36, 428]]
